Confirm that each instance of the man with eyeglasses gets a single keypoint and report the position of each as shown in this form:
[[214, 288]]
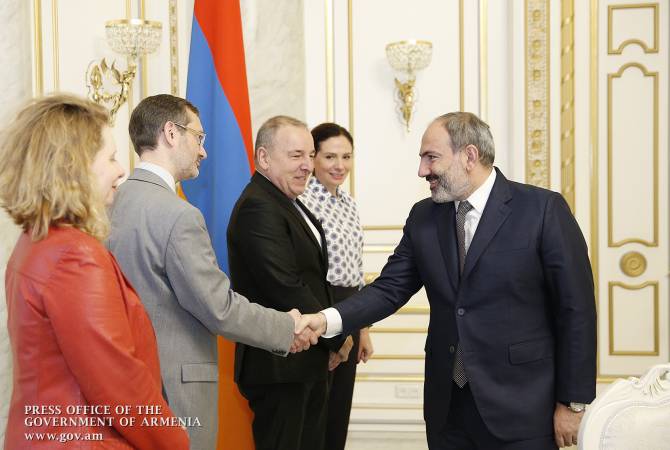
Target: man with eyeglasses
[[163, 247]]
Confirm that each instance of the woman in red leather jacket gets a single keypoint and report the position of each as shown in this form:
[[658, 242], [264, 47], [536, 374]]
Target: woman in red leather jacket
[[86, 371]]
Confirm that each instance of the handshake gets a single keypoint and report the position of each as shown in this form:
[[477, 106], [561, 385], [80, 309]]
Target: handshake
[[308, 329]]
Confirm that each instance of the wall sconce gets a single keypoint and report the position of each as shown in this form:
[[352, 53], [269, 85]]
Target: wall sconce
[[408, 57], [133, 38]]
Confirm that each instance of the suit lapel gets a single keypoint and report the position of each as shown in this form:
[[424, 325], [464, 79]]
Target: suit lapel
[[445, 216], [319, 228], [301, 220], [496, 212], [286, 203]]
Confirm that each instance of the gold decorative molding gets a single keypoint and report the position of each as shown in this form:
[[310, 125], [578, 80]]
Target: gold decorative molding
[[537, 93], [390, 378], [414, 310], [378, 248], [174, 48], [654, 167], [144, 87], [37, 48], [633, 264], [607, 379], [484, 59], [369, 277], [330, 71], [461, 51], [397, 357], [54, 43], [610, 378], [593, 126], [131, 149], [350, 49], [568, 102], [610, 28], [401, 330], [612, 351], [382, 227]]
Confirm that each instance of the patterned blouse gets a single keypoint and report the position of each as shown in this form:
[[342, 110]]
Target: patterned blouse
[[338, 215]]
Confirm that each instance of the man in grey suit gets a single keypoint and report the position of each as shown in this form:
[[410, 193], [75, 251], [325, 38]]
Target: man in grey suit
[[162, 244]]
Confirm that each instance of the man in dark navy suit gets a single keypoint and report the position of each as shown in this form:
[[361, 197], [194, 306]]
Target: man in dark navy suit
[[511, 347]]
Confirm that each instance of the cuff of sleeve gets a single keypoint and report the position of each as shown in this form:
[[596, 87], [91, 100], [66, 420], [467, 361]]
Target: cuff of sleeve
[[333, 322]]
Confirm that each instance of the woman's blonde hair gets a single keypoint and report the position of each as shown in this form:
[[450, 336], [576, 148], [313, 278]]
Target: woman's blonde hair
[[45, 166]]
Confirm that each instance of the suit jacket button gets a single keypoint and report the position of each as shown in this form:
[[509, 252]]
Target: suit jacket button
[[452, 349], [460, 311]]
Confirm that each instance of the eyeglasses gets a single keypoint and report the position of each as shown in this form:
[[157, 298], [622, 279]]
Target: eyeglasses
[[199, 134]]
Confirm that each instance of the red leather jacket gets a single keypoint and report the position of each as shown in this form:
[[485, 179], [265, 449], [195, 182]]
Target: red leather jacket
[[81, 339]]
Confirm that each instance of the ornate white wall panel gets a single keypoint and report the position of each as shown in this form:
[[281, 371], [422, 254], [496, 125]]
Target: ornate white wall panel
[[633, 205], [635, 335], [632, 23], [629, 230]]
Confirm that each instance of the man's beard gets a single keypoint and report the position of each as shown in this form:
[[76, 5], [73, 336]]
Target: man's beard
[[452, 185]]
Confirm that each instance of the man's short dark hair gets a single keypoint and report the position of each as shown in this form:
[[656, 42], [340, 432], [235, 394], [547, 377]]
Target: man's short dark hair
[[151, 114]]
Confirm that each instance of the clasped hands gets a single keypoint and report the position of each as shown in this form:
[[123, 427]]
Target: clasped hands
[[308, 329]]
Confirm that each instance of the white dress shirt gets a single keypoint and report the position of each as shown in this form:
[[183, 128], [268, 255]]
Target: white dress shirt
[[478, 201], [311, 225], [161, 172]]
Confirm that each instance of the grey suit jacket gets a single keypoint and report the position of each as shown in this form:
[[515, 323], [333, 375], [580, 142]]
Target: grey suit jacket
[[162, 245]]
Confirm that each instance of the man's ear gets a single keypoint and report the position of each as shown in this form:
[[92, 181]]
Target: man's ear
[[262, 158], [170, 133], [472, 155]]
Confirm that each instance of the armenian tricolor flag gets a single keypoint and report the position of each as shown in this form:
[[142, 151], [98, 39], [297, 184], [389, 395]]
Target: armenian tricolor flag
[[217, 86]]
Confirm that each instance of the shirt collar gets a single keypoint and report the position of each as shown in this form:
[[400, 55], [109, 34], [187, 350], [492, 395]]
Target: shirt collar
[[315, 184], [481, 195], [161, 172]]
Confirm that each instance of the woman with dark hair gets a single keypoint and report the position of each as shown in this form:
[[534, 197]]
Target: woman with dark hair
[[338, 214], [85, 361]]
